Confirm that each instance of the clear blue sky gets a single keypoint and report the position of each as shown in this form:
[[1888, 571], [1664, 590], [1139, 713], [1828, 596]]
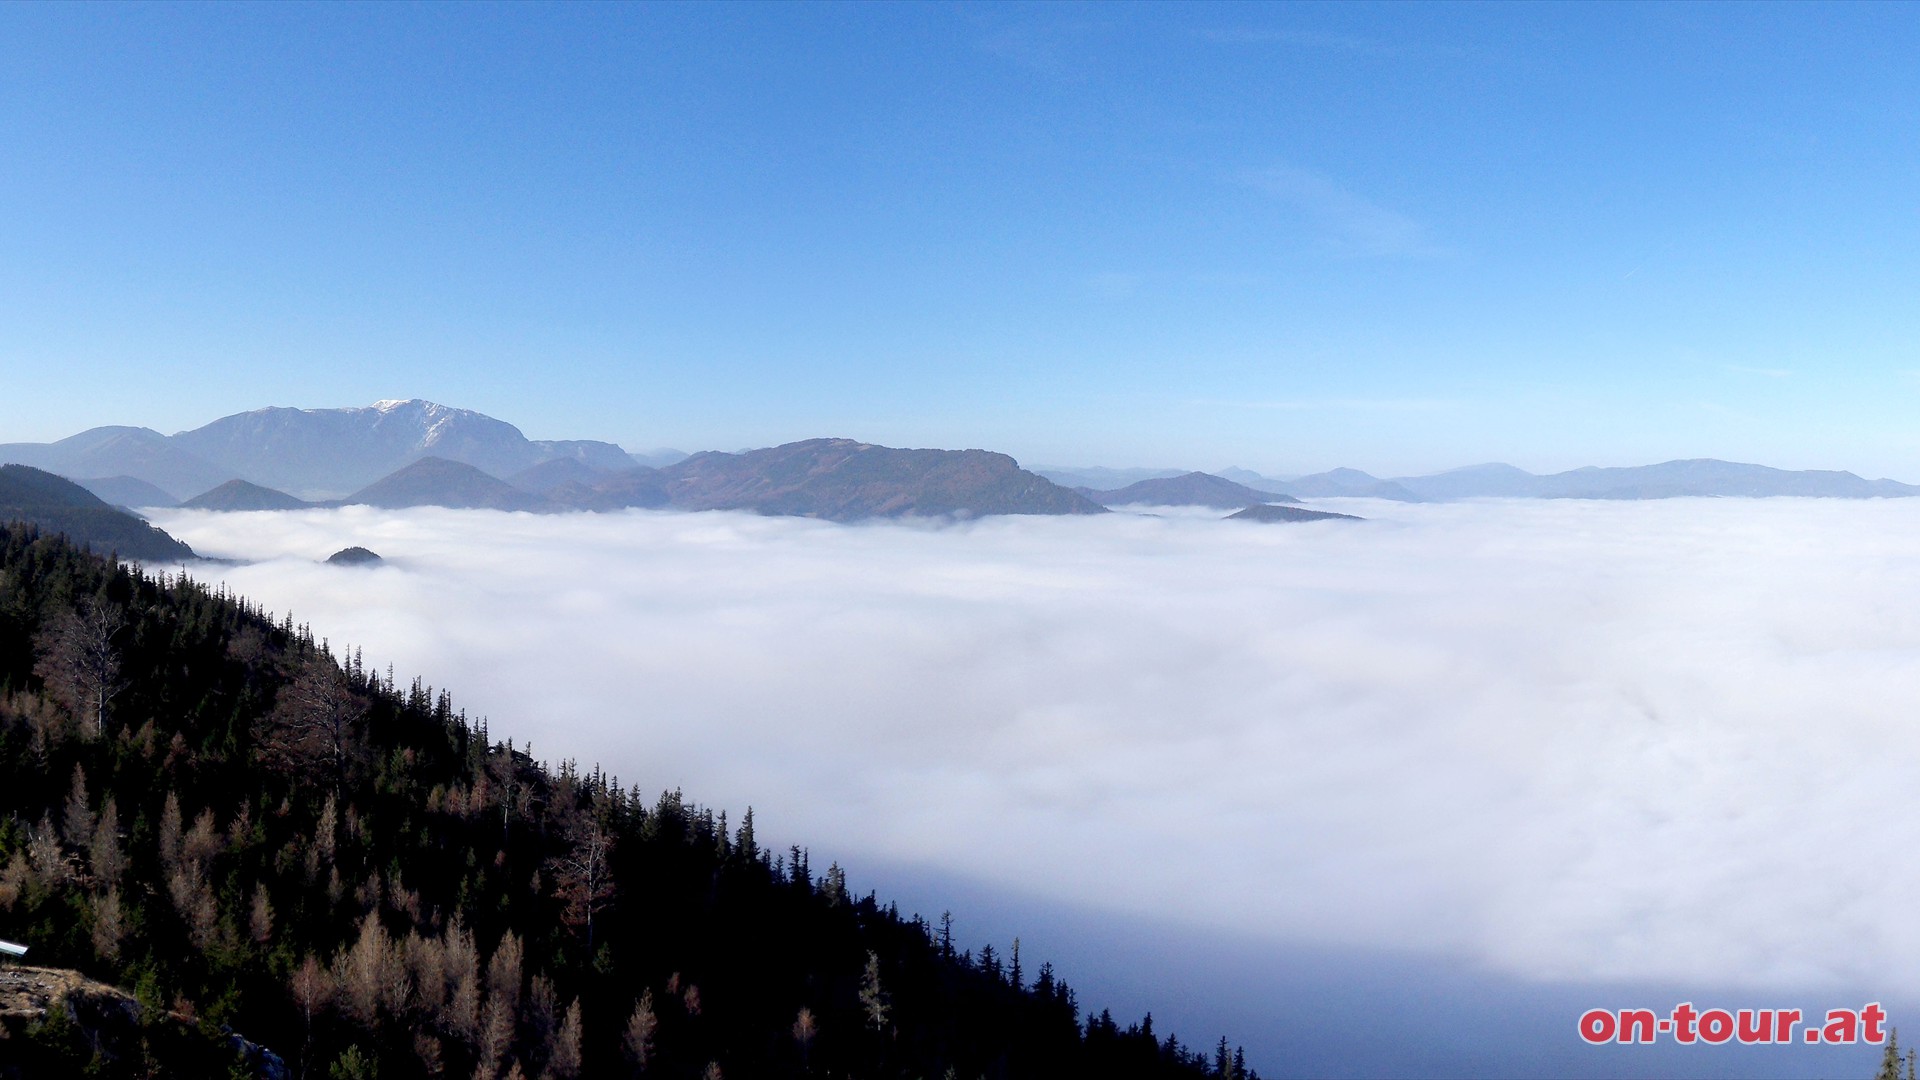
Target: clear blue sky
[[1399, 237]]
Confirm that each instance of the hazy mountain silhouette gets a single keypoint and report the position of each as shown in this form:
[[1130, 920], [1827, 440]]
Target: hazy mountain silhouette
[[1472, 481], [1191, 489], [1671, 479], [240, 495], [1100, 478], [639, 486], [329, 451], [121, 451], [433, 481], [127, 491], [543, 478], [1350, 483], [313, 453]]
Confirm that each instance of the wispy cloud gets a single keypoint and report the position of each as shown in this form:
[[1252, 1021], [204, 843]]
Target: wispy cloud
[[1350, 223]]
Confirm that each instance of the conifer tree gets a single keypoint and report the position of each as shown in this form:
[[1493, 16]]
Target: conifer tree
[[1890, 1058], [873, 998]]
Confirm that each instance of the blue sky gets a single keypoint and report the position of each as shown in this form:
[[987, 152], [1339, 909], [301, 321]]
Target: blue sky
[[1399, 238]]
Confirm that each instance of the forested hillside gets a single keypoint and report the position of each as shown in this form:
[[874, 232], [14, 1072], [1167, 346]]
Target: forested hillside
[[59, 505], [206, 809]]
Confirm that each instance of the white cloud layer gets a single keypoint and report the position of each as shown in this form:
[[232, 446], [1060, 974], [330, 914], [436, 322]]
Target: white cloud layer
[[1668, 740]]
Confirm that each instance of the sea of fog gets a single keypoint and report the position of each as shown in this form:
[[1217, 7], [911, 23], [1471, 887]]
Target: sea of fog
[[1402, 795]]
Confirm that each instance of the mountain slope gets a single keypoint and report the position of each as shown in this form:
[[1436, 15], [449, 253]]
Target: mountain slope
[[639, 486], [58, 505], [845, 480], [1192, 489], [433, 481], [254, 835], [541, 479]]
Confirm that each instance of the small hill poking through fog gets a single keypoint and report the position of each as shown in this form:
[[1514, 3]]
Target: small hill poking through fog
[[354, 556], [1287, 514]]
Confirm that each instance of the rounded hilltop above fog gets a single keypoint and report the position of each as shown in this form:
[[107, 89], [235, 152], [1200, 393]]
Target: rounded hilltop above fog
[[354, 556]]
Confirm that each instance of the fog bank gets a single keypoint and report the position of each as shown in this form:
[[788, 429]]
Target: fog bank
[[1651, 741]]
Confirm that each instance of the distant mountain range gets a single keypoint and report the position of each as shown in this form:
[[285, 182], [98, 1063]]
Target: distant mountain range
[[1671, 479], [311, 453], [835, 479], [58, 505], [415, 453], [418, 453]]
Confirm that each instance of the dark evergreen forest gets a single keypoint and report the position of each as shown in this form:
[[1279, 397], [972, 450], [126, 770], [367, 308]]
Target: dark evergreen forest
[[300, 867]]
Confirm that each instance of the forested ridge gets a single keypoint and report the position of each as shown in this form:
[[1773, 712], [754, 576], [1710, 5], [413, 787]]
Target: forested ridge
[[208, 809], [57, 504]]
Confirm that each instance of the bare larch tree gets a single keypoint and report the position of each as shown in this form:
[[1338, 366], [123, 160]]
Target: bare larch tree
[[315, 725], [80, 662], [581, 875]]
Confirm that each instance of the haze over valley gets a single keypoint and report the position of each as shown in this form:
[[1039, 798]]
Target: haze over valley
[[1240, 732]]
